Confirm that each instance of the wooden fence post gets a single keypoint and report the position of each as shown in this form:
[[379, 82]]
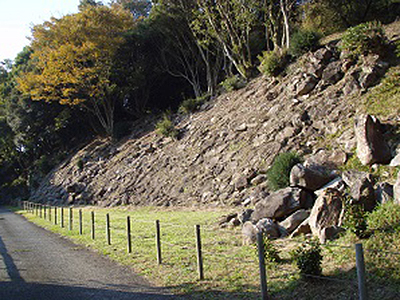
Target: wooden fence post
[[62, 217], [108, 233], [362, 290], [158, 243], [71, 218], [128, 233], [199, 253], [55, 215], [93, 225], [80, 222], [261, 260], [41, 211]]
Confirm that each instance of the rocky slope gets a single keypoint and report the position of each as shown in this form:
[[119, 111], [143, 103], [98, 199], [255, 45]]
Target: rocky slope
[[224, 150]]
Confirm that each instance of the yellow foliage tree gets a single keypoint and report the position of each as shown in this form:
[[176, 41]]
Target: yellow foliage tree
[[73, 59]]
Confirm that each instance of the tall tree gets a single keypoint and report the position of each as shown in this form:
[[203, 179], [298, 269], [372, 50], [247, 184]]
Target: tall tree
[[230, 22], [73, 60]]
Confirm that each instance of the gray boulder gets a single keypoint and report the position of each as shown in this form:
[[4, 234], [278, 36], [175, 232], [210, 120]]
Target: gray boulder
[[294, 220], [281, 203], [384, 192], [337, 183], [311, 178], [371, 145], [325, 213], [249, 233], [306, 85], [303, 228], [362, 192], [268, 228]]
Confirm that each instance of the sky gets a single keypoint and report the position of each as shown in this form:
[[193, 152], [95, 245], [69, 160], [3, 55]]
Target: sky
[[18, 16]]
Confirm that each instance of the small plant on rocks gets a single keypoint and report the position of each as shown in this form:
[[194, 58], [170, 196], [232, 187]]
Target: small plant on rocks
[[303, 41], [272, 63], [363, 39], [233, 83], [271, 253], [166, 127], [308, 258]]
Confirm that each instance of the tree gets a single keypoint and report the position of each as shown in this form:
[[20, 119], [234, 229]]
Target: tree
[[73, 60], [138, 8], [230, 23]]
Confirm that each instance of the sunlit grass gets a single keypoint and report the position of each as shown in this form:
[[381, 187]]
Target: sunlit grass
[[230, 268]]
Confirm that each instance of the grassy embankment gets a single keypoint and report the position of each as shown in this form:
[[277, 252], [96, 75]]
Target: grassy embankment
[[231, 269]]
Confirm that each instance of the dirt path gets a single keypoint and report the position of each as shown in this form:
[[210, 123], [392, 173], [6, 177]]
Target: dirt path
[[36, 264]]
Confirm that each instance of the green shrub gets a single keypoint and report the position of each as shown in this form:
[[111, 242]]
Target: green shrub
[[303, 41], [80, 164], [191, 105], [363, 39], [233, 83], [272, 63], [279, 173], [308, 258], [355, 219], [398, 48], [166, 127], [271, 254], [385, 217]]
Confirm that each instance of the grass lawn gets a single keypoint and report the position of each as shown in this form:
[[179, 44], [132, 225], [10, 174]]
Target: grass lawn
[[230, 268]]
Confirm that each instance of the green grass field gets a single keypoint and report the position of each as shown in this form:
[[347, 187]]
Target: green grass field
[[231, 269]]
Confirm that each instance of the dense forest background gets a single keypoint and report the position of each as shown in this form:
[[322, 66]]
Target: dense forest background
[[104, 69]]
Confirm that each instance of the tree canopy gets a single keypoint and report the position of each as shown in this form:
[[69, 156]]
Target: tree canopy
[[73, 59]]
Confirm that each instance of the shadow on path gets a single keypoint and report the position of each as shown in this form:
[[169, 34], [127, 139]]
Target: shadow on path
[[33, 291]]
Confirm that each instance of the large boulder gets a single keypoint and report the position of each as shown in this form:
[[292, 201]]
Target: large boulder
[[371, 145], [302, 229], [282, 203], [294, 220], [326, 213], [362, 192], [311, 178]]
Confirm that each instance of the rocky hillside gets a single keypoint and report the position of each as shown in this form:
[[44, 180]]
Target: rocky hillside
[[225, 149]]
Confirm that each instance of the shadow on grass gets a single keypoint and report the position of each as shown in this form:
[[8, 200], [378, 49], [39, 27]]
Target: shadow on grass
[[342, 285]]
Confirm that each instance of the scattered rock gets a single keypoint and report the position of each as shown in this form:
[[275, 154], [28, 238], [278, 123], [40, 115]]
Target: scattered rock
[[362, 192], [303, 228], [325, 213], [268, 228], [294, 220], [306, 85], [280, 204], [309, 178], [245, 215], [371, 145], [384, 192], [249, 233]]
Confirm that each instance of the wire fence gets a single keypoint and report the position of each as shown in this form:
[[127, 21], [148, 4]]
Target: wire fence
[[198, 249]]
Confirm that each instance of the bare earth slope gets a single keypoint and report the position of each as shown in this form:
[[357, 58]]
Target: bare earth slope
[[225, 149]]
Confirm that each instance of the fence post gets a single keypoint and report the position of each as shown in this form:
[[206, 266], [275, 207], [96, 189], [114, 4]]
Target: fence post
[[158, 242], [71, 218], [199, 253], [41, 211], [362, 290], [261, 260], [108, 229], [50, 213], [80, 222], [55, 215], [128, 233], [93, 224], [62, 217]]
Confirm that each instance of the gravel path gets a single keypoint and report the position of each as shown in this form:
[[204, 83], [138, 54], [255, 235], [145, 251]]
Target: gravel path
[[36, 264]]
